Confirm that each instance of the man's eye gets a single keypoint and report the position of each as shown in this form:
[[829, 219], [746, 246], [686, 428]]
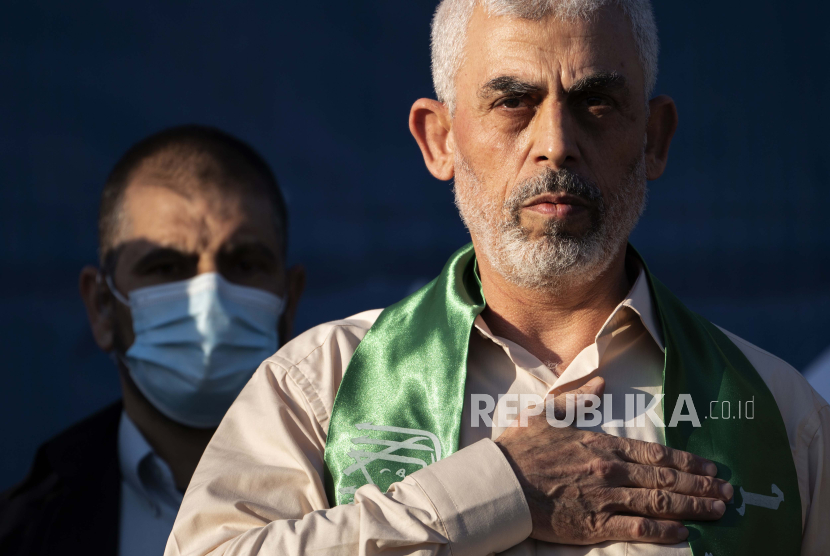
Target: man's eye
[[251, 265], [166, 269], [511, 103], [596, 101]]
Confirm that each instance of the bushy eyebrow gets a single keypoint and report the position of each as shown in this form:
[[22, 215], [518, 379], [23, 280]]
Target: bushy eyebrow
[[163, 253], [245, 247], [600, 81], [513, 86], [507, 84]]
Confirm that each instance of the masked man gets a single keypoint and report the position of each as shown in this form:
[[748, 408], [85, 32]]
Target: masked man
[[387, 432], [193, 292]]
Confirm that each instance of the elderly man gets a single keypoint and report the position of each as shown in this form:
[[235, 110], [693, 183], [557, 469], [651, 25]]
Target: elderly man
[[192, 293], [360, 436]]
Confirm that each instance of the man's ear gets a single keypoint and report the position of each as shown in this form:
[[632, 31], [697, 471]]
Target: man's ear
[[430, 123], [99, 307], [662, 123], [295, 285]]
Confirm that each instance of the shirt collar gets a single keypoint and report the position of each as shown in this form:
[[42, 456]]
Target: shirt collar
[[143, 470], [132, 449], [638, 300]]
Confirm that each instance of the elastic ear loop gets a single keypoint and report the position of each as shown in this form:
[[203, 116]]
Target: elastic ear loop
[[114, 354], [115, 293]]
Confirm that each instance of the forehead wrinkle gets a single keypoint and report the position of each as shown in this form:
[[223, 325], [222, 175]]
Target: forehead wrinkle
[[533, 68], [568, 48], [174, 228]]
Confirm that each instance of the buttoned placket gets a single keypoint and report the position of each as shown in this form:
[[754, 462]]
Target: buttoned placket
[[144, 472]]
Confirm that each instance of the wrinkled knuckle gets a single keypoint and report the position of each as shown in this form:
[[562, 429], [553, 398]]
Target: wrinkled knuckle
[[690, 462], [708, 485], [661, 502], [701, 506], [639, 528], [657, 454], [666, 478]]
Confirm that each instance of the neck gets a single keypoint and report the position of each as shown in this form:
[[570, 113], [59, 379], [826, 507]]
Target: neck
[[554, 325], [178, 445]]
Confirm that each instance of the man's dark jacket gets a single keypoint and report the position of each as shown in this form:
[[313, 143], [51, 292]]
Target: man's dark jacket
[[69, 503]]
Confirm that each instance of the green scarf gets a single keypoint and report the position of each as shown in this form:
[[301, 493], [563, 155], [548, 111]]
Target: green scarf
[[398, 409]]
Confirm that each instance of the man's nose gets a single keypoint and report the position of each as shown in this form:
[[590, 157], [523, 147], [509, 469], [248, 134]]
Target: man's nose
[[554, 141]]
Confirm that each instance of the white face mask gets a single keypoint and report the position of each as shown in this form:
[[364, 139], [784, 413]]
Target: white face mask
[[197, 342]]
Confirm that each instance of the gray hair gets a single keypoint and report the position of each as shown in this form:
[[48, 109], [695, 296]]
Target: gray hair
[[452, 17]]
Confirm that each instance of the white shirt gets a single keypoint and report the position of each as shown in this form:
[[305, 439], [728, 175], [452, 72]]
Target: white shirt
[[818, 374], [149, 498], [259, 489]]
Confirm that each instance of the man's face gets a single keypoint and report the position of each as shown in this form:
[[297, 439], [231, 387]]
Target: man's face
[[549, 133], [168, 236]]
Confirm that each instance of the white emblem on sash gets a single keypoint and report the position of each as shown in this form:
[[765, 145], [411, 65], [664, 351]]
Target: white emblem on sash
[[752, 499], [410, 440]]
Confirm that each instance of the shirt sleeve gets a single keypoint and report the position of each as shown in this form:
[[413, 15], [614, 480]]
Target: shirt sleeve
[[259, 489], [816, 537]]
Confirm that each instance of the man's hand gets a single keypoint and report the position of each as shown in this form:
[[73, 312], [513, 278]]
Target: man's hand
[[585, 487]]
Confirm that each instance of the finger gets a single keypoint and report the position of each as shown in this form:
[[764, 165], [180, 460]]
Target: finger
[[651, 453], [672, 480], [642, 529], [667, 505]]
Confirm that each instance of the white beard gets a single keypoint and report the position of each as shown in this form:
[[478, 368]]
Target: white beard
[[557, 258]]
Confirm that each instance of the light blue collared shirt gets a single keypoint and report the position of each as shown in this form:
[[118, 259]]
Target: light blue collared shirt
[[149, 498]]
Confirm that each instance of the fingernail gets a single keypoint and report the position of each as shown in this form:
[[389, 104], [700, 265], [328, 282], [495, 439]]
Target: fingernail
[[683, 533], [719, 507], [727, 491], [711, 469]]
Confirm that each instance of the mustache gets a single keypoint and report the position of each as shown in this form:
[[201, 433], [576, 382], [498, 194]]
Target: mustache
[[555, 181]]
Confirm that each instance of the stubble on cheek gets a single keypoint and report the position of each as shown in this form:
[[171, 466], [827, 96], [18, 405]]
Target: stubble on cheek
[[497, 156]]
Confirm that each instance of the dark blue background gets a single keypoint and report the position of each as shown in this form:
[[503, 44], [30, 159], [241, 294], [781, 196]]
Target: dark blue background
[[737, 226]]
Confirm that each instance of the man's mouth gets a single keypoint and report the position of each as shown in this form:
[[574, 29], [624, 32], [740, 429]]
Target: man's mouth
[[557, 205]]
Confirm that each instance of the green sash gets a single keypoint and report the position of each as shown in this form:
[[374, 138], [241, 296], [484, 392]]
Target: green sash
[[398, 409]]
